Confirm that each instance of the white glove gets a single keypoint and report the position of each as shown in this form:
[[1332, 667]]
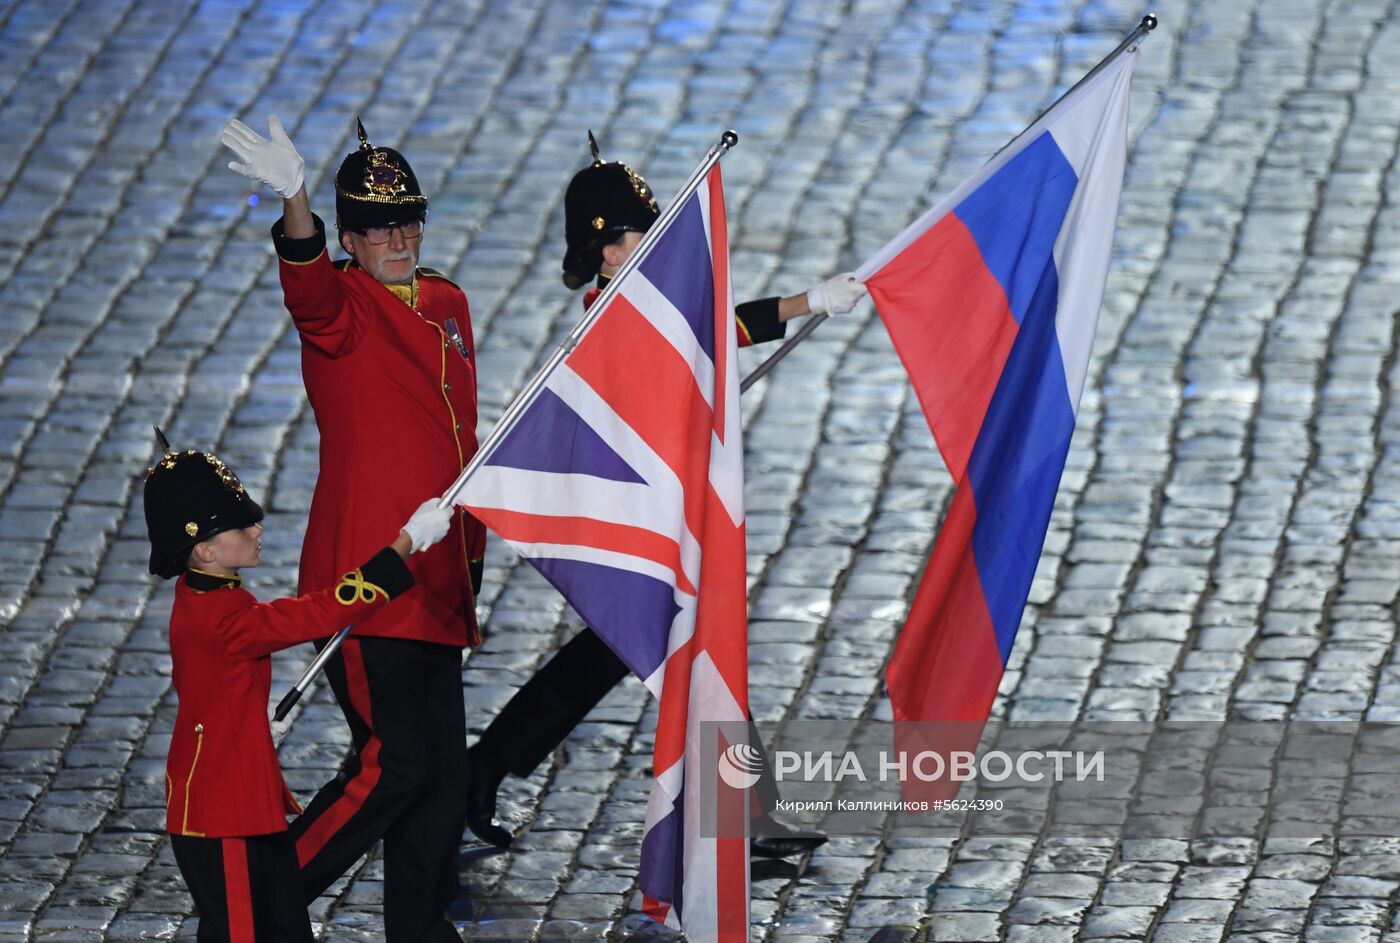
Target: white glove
[[273, 162], [428, 525], [836, 295]]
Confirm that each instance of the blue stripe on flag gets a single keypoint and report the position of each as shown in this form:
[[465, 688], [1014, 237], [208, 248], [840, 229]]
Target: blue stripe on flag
[[679, 266], [630, 611], [1016, 464], [663, 864], [1016, 215], [551, 437]]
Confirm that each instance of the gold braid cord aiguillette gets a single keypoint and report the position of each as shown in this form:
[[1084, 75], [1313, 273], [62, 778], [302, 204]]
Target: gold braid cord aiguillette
[[353, 588]]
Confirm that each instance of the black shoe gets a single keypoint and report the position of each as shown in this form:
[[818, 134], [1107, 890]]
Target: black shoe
[[483, 780], [773, 839]]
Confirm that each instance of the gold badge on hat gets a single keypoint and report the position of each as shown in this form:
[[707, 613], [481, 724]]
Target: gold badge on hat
[[639, 185], [192, 528], [382, 178], [225, 473]]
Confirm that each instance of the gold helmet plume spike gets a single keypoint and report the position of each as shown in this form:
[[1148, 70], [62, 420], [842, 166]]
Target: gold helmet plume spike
[[364, 138], [160, 437], [593, 146]]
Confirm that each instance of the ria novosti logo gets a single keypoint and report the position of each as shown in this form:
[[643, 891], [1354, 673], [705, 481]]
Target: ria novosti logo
[[740, 766]]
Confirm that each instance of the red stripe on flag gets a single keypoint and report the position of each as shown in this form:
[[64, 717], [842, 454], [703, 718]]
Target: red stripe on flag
[[946, 665], [731, 855], [657, 395], [719, 264], [237, 891], [721, 610], [720, 632], [668, 744], [732, 888], [587, 532], [357, 790], [951, 324], [655, 909]]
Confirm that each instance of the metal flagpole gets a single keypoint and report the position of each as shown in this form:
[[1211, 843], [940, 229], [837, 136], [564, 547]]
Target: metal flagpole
[[526, 396], [1147, 25], [295, 692], [762, 369]]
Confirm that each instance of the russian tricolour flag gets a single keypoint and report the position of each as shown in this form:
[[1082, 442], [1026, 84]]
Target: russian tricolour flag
[[623, 483], [991, 299]]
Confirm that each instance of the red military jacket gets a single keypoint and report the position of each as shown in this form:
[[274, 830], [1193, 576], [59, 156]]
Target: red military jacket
[[757, 321], [394, 394], [222, 778]]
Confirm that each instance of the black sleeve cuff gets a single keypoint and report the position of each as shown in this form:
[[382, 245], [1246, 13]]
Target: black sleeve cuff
[[475, 569], [299, 251], [387, 570], [759, 321]]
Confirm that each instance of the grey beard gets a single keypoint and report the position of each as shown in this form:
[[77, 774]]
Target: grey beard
[[406, 280]]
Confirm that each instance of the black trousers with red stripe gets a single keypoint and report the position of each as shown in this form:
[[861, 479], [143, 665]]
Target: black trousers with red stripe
[[555, 700], [245, 890], [405, 783]]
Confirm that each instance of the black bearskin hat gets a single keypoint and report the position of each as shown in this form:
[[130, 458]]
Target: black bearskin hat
[[603, 201], [191, 496], [375, 186]]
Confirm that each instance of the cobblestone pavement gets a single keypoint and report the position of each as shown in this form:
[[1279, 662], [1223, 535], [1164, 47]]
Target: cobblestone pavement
[[1226, 541]]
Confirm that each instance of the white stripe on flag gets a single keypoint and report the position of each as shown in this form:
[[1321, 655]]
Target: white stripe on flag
[[662, 499], [727, 456], [552, 494], [622, 561], [946, 205], [1094, 140], [710, 700]]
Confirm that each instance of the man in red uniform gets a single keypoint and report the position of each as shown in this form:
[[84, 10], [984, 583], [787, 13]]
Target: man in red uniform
[[226, 801], [389, 366], [607, 208]]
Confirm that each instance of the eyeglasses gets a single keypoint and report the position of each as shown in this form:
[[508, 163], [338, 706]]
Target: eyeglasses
[[378, 235]]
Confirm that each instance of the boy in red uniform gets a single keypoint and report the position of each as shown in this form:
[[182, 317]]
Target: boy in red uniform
[[226, 801]]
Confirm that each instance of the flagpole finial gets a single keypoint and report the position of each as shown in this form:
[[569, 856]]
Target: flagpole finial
[[1149, 22], [730, 138]]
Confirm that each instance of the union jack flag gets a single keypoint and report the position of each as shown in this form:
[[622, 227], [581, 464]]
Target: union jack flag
[[623, 484]]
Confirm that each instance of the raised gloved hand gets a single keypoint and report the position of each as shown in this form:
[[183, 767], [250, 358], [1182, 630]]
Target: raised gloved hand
[[274, 162], [836, 295], [428, 525]]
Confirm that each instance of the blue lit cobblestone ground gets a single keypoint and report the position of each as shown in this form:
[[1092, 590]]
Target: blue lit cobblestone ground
[[1227, 538]]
